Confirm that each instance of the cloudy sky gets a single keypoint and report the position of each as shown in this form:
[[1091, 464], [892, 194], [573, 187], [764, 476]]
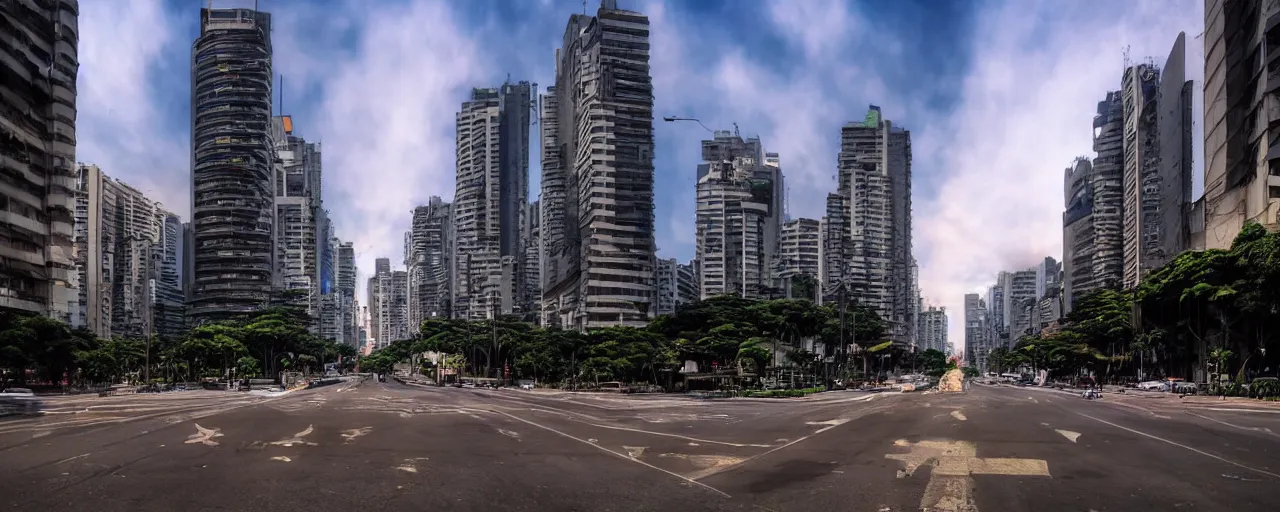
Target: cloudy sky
[[999, 98]]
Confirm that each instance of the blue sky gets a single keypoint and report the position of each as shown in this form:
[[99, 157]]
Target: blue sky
[[999, 98]]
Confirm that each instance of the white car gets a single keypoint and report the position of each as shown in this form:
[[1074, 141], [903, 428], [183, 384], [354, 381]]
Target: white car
[[1153, 385]]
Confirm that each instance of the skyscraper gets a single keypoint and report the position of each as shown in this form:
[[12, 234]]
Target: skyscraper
[[232, 163], [1092, 223], [1241, 123], [531, 273], [427, 261], [38, 152], [1143, 217], [738, 217], [492, 190], [597, 190], [976, 340], [933, 329], [346, 290], [876, 257], [127, 259], [302, 228]]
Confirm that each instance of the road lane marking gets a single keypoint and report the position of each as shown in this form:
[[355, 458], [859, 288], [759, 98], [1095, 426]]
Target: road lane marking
[[510, 433], [1228, 409], [1233, 425], [204, 436], [1071, 436], [282, 458], [951, 485], [958, 415], [69, 459], [619, 455], [1183, 446], [635, 451]]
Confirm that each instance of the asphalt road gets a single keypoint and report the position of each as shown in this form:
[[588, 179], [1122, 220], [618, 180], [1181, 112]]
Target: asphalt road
[[385, 446]]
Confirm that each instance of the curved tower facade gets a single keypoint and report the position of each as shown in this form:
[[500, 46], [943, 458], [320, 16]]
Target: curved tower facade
[[231, 163], [38, 156]]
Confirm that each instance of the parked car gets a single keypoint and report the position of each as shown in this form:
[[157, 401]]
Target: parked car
[[1153, 385]]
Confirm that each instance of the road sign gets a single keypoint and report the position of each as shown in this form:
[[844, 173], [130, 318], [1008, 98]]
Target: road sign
[[954, 462]]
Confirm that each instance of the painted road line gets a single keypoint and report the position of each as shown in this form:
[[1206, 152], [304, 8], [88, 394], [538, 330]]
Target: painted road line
[[1183, 446], [951, 485], [590, 442]]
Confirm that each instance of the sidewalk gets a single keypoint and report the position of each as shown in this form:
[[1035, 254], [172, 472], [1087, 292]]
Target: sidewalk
[[1231, 401]]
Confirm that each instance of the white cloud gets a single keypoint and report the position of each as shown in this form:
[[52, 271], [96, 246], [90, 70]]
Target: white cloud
[[118, 123], [1025, 112], [385, 116]]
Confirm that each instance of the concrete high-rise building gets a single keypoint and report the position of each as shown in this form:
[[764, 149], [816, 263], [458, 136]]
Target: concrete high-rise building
[[302, 228], [1241, 118], [687, 291], [875, 186], [1143, 216], [799, 252], [976, 333], [531, 273], [378, 284], [168, 302], [668, 294], [1048, 276], [38, 154], [127, 260], [232, 174], [427, 262], [1093, 225], [933, 329], [342, 324], [738, 217], [397, 306], [833, 245], [1174, 121], [597, 174], [346, 289], [1019, 300], [492, 189]]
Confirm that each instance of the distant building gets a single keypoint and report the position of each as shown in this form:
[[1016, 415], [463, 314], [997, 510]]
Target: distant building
[[667, 291], [127, 260], [932, 332], [976, 334], [428, 253]]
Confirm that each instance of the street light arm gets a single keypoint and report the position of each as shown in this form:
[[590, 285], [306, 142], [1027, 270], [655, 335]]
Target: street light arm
[[672, 119]]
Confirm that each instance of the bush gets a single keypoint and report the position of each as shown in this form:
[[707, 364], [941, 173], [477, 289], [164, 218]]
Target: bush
[[1264, 389]]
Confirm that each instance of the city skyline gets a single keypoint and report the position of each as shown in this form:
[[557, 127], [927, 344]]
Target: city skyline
[[762, 93]]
